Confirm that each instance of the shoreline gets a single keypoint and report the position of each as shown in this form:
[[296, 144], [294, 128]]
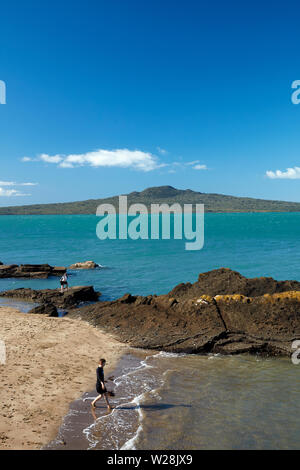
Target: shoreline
[[146, 387], [50, 362], [86, 428]]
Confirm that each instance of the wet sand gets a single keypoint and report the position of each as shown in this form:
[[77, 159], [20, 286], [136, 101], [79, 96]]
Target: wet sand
[[85, 428], [227, 402], [49, 363]]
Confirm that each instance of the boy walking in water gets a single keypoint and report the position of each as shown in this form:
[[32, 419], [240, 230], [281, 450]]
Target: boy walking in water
[[100, 385]]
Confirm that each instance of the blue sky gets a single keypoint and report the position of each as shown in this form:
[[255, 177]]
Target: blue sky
[[111, 97]]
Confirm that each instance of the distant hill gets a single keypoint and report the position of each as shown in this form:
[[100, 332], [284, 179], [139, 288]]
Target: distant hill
[[158, 195]]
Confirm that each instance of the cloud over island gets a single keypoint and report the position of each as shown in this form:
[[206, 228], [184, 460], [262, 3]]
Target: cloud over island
[[122, 158], [289, 173], [118, 158]]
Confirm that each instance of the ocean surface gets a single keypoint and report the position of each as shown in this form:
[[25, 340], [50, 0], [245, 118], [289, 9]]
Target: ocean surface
[[168, 401]]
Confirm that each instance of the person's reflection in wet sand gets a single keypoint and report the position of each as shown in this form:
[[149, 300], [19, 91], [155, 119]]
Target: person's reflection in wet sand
[[93, 410]]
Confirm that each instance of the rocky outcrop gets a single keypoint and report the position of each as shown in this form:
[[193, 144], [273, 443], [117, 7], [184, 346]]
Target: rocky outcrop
[[226, 281], [84, 265], [208, 316], [45, 309], [35, 271], [67, 299]]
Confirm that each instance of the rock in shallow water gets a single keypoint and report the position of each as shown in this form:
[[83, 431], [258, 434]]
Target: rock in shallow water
[[45, 309], [36, 271], [84, 265], [69, 298]]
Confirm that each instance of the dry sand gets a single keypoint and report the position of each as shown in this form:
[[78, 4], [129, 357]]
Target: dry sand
[[50, 362]]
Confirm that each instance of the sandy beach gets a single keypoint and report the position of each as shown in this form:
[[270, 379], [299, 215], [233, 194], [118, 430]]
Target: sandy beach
[[50, 362]]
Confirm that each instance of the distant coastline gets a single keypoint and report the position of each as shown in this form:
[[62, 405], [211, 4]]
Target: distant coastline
[[213, 203]]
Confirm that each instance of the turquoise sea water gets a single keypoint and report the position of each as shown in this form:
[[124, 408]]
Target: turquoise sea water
[[254, 244], [175, 401]]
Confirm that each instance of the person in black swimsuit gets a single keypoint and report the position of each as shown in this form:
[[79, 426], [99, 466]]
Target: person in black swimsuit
[[100, 385], [64, 282]]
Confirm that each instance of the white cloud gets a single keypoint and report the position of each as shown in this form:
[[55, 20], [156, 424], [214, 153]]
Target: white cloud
[[8, 192], [48, 159], [194, 164], [290, 173], [200, 167], [7, 183], [13, 183], [44, 158], [122, 158], [12, 192], [118, 158]]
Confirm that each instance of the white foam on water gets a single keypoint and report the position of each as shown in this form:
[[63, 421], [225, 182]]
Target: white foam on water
[[89, 398], [214, 356], [132, 370], [133, 382], [125, 421], [129, 445], [88, 432], [89, 436], [168, 354], [155, 394]]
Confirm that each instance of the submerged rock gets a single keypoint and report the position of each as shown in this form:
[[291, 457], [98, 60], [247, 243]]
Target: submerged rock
[[69, 298], [36, 271], [208, 316]]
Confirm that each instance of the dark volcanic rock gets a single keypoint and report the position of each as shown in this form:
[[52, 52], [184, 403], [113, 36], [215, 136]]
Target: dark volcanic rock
[[66, 299], [39, 271], [226, 281], [156, 323], [45, 309], [208, 316]]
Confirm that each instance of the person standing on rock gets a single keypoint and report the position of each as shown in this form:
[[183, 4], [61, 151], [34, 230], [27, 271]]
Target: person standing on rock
[[100, 385], [64, 282]]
